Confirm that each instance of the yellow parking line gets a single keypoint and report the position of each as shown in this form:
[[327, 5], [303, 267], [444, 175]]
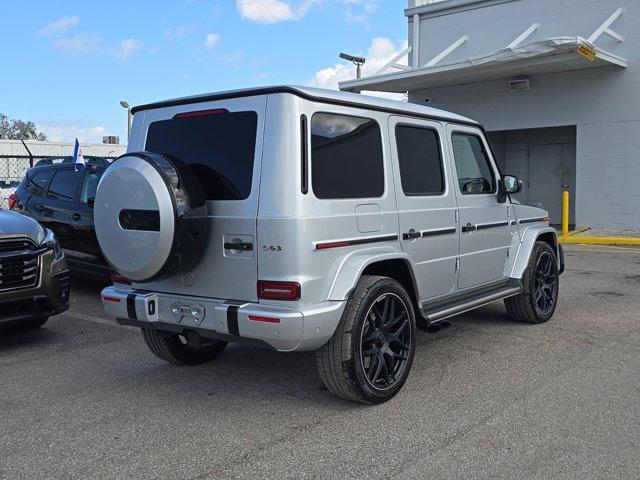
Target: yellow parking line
[[611, 248], [599, 240]]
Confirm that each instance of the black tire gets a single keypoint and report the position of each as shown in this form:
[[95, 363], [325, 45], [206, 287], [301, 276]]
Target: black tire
[[171, 348], [541, 283], [363, 336]]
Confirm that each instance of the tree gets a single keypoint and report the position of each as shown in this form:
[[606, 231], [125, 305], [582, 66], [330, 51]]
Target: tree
[[14, 129]]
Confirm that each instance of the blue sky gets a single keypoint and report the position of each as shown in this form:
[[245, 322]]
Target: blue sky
[[67, 64]]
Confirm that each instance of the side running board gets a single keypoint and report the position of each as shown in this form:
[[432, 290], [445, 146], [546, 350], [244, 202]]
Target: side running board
[[471, 301]]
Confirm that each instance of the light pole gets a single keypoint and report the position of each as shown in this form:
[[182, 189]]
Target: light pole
[[125, 104], [357, 61]]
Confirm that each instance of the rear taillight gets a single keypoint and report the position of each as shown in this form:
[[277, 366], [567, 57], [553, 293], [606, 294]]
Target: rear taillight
[[13, 200], [269, 290], [117, 278]]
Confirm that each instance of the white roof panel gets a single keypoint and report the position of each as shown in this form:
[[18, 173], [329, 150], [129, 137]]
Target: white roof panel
[[319, 95]]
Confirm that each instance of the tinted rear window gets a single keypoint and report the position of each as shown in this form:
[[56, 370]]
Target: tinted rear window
[[63, 185], [219, 149], [346, 157], [36, 183], [420, 161]]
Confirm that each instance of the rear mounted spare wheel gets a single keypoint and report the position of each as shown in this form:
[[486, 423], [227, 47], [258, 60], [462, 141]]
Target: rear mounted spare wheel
[[150, 216]]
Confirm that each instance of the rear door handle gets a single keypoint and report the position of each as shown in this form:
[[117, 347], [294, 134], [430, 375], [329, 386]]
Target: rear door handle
[[244, 246], [469, 228]]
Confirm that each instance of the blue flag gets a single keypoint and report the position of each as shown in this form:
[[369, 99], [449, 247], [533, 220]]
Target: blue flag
[[78, 158]]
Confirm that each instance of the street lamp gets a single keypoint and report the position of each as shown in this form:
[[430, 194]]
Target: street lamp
[[125, 104], [357, 61]]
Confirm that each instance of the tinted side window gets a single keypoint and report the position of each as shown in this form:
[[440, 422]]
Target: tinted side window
[[89, 185], [475, 174], [420, 160], [219, 148], [346, 157], [63, 185], [35, 185]]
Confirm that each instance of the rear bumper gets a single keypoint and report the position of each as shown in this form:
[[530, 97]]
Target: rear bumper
[[49, 297], [281, 328]]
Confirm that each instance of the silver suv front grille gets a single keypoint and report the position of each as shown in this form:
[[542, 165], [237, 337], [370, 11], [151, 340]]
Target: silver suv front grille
[[19, 265]]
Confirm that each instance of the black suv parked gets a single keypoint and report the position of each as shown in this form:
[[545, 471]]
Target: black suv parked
[[60, 196]]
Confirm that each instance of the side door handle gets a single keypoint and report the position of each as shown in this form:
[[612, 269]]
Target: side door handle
[[469, 228], [243, 246], [411, 235], [76, 216]]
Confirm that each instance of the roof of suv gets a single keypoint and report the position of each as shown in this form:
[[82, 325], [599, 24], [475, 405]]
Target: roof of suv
[[320, 95], [91, 160]]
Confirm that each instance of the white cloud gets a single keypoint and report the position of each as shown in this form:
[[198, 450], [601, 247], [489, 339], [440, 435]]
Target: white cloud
[[356, 18], [126, 48], [366, 9], [211, 40], [371, 8], [70, 129], [59, 26], [79, 43], [380, 52], [273, 11]]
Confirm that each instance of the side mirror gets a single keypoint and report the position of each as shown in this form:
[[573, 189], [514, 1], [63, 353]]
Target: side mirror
[[508, 185], [511, 184]]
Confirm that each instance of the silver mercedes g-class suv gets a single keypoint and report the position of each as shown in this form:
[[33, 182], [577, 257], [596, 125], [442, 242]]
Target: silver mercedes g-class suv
[[305, 219]]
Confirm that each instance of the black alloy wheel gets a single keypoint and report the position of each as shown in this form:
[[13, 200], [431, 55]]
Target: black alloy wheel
[[545, 283], [368, 359], [385, 341], [537, 301]]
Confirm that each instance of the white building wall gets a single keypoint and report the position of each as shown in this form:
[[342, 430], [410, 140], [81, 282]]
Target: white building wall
[[603, 103]]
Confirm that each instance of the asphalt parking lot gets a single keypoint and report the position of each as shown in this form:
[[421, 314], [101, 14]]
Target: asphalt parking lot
[[83, 398]]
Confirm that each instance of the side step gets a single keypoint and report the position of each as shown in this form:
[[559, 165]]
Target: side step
[[470, 302]]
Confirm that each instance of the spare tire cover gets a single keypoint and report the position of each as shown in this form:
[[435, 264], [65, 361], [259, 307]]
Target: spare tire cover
[[150, 216]]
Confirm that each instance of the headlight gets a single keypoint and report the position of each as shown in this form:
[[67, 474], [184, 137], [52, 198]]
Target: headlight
[[51, 242]]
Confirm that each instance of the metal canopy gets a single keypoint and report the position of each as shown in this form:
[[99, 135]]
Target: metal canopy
[[556, 54]]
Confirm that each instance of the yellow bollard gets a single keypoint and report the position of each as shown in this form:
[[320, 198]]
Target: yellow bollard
[[565, 212]]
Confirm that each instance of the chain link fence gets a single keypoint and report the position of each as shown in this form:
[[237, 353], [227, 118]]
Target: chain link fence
[[12, 171]]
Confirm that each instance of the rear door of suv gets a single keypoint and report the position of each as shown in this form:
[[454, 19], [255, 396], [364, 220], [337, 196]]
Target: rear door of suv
[[426, 203], [31, 192], [221, 141], [58, 205]]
